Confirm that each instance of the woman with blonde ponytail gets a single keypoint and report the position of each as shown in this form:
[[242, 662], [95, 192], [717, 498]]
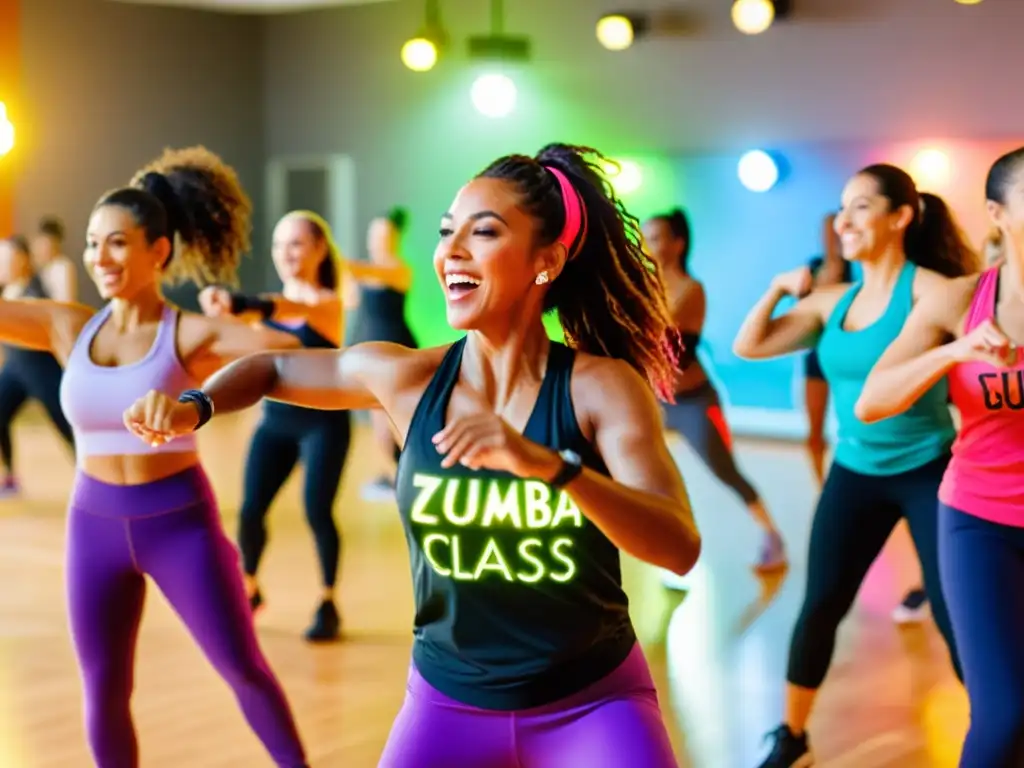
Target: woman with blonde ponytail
[[310, 307]]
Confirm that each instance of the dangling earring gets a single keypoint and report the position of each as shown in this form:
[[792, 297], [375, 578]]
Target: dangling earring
[[542, 278]]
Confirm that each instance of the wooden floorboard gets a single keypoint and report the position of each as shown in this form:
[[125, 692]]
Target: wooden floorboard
[[718, 653]]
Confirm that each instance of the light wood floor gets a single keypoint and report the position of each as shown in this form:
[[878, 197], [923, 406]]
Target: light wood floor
[[718, 655]]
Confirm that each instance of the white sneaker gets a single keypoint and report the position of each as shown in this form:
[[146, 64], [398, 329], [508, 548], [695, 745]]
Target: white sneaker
[[914, 609], [381, 489]]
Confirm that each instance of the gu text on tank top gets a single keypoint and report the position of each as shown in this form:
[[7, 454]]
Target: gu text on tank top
[[986, 474], [519, 597], [904, 442]]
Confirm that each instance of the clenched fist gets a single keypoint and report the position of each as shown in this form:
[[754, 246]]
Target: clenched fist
[[157, 419], [215, 301], [986, 343], [797, 282]]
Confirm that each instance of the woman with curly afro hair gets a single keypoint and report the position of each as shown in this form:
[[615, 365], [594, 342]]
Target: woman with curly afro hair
[[140, 510]]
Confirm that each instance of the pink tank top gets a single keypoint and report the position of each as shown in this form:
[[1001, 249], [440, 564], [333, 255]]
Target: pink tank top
[[985, 478], [94, 397]]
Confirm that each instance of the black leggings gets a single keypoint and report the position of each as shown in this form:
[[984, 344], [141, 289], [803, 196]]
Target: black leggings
[[855, 515], [285, 435], [19, 383], [697, 416]]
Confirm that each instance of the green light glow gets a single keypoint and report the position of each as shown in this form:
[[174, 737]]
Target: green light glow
[[625, 176]]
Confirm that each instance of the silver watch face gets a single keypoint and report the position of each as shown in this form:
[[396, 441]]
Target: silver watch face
[[570, 457]]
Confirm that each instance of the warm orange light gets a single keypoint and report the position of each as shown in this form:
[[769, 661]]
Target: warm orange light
[[930, 169]]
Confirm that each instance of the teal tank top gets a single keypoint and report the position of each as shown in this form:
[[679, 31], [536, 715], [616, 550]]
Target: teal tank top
[[902, 443]]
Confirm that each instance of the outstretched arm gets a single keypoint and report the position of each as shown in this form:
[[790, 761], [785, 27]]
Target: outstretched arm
[[212, 343], [42, 324], [325, 379], [321, 309], [397, 276]]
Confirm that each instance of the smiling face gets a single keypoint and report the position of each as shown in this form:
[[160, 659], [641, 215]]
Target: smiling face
[[866, 224], [487, 260], [118, 257], [297, 251]]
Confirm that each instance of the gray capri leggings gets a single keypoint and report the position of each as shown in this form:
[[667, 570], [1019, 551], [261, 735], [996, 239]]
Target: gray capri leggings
[[697, 416]]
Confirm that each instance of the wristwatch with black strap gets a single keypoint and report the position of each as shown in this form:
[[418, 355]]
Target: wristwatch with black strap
[[572, 466]]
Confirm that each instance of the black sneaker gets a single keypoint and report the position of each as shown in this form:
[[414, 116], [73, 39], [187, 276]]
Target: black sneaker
[[255, 601], [326, 624], [789, 751]]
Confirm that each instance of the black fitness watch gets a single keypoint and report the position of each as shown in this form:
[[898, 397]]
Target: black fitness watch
[[572, 466], [201, 401]]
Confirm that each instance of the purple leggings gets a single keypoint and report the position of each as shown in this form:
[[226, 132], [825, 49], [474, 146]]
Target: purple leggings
[[613, 723], [168, 530]]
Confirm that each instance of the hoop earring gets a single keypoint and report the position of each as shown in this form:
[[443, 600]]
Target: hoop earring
[[542, 278]]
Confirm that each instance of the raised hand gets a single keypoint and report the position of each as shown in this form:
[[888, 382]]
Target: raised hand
[[986, 343], [215, 301], [157, 419], [484, 440], [796, 283]]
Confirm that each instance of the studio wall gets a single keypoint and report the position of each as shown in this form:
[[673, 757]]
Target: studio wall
[[106, 86], [837, 83]]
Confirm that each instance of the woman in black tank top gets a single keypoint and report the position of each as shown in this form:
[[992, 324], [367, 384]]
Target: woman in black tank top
[[527, 466], [27, 374], [310, 308]]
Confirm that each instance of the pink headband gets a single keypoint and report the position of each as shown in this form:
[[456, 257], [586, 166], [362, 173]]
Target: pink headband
[[574, 215]]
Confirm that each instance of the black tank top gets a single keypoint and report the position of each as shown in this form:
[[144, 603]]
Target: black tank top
[[519, 598], [309, 337], [382, 317], [382, 302]]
